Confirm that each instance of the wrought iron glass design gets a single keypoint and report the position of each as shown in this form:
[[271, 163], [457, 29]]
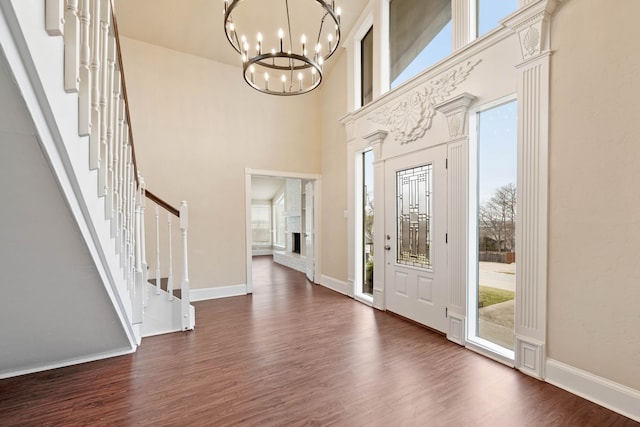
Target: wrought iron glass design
[[414, 213]]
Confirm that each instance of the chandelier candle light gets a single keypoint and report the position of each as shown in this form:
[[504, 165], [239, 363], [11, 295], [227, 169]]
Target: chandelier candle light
[[289, 59]]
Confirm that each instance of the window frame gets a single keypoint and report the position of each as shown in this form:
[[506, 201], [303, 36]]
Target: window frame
[[472, 340]]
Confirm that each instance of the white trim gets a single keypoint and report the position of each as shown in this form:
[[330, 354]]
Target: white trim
[[489, 353], [248, 232], [216, 292], [69, 362], [472, 233], [529, 355], [364, 299], [456, 331], [617, 397], [261, 251], [335, 284], [317, 182]]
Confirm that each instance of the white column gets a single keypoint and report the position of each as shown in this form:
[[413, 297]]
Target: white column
[[532, 27], [375, 141], [381, 70], [455, 110], [461, 21], [351, 203]]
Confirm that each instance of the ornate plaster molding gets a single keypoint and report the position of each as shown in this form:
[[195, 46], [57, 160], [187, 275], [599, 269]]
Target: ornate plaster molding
[[531, 25], [456, 111], [411, 117]]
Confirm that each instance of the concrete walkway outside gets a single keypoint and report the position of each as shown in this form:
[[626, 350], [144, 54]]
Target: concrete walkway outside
[[496, 322]]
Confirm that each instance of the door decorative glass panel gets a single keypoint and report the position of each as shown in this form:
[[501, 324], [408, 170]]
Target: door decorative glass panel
[[414, 213]]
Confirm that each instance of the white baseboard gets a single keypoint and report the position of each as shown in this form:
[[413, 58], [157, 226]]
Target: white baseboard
[[260, 252], [334, 284], [217, 292], [611, 395], [70, 362]]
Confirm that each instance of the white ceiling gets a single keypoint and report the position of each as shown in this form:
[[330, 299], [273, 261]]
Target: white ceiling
[[196, 26], [265, 187]]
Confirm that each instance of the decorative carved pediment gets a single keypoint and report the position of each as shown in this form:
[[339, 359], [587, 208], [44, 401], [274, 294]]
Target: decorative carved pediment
[[411, 117]]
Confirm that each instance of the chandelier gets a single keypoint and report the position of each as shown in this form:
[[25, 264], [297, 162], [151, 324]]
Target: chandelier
[[278, 58]]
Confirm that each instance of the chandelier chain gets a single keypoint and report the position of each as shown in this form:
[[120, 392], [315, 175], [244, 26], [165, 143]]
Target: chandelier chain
[[286, 2]]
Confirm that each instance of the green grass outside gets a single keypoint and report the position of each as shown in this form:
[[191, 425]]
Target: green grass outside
[[489, 296]]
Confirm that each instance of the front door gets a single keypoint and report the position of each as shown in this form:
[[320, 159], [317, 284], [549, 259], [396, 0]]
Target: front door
[[415, 215]]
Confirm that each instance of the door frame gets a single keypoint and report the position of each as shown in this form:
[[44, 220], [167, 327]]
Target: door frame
[[317, 184]]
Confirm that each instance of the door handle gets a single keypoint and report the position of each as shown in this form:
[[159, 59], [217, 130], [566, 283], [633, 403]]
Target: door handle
[[387, 247]]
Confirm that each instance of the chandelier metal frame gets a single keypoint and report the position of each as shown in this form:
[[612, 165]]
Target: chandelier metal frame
[[280, 59]]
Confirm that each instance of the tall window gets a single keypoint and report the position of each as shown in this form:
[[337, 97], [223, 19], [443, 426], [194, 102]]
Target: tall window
[[419, 36], [367, 222], [261, 224], [490, 12], [279, 221], [492, 281], [366, 68]]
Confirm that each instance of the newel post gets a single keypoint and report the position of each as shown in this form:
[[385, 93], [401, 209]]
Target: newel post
[[138, 276], [187, 320]]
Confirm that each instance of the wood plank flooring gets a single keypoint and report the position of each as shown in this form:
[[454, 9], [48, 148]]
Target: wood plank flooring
[[294, 354]]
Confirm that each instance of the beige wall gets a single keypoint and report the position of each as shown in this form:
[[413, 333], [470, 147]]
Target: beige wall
[[334, 171], [197, 126], [594, 220]]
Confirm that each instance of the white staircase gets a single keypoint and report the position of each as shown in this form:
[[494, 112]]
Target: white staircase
[[70, 79]]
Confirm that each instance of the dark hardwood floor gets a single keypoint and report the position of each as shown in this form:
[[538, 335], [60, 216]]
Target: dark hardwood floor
[[294, 354]]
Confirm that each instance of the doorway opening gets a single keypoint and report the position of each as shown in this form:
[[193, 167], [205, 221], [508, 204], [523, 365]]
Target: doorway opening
[[289, 234]]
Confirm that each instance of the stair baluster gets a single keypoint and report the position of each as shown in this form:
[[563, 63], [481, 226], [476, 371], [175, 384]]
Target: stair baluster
[[71, 46], [54, 17], [170, 248], [84, 91], [158, 273], [105, 14], [111, 108], [94, 129]]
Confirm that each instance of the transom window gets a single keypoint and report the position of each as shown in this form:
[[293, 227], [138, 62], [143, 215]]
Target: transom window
[[490, 12], [419, 36], [366, 68]]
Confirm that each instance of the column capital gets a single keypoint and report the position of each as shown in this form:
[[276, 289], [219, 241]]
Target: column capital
[[456, 111], [531, 23], [375, 140]]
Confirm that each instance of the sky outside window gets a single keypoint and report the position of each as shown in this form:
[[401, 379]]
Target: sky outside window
[[490, 12]]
